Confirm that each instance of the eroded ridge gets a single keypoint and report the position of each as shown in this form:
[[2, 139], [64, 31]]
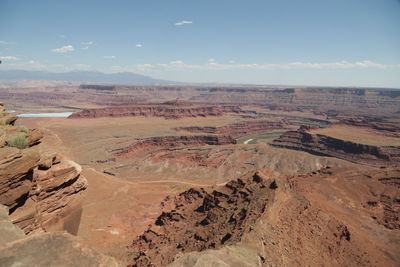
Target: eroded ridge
[[164, 142], [203, 218], [323, 145], [239, 129], [166, 110]]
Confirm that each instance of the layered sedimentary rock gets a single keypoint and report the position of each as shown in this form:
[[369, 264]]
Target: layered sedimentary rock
[[45, 249], [240, 129], [41, 189], [199, 219], [157, 110], [357, 100], [320, 100], [166, 142], [388, 129], [323, 145]]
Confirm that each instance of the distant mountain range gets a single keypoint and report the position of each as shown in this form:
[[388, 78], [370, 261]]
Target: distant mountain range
[[81, 76]]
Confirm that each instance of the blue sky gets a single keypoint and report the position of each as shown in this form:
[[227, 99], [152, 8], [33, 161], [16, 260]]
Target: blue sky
[[299, 42]]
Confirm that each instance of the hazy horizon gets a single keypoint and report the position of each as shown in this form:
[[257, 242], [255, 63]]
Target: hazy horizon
[[310, 43]]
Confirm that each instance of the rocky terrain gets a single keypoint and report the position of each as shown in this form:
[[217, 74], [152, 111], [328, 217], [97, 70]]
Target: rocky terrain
[[167, 111], [167, 142], [360, 101], [199, 219], [41, 188], [154, 182], [323, 101], [328, 146], [46, 249], [385, 128], [293, 221], [240, 129]]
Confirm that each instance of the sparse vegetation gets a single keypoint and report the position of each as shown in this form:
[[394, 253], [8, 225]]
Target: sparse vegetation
[[23, 129], [7, 127], [18, 141]]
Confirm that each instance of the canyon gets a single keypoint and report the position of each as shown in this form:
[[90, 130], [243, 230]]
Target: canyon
[[183, 175]]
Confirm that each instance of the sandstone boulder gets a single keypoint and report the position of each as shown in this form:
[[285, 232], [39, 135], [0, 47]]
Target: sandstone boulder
[[8, 231]]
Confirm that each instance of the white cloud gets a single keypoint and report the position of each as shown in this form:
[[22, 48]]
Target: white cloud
[[5, 43], [85, 48], [109, 57], [8, 58], [64, 49], [87, 43], [139, 45], [183, 22]]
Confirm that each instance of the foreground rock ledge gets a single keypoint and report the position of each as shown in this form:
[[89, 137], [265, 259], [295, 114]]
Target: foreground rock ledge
[[45, 249]]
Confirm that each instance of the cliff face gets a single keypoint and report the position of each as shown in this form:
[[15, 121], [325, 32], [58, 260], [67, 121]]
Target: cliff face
[[328, 146], [199, 219], [388, 129], [237, 130], [167, 111], [41, 189], [298, 99], [166, 142]]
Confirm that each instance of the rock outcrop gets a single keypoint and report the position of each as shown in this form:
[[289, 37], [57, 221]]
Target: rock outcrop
[[239, 129], [324, 145], [349, 100], [5, 117], [203, 218], [8, 231], [385, 128], [168, 111], [41, 189], [167, 142], [45, 249]]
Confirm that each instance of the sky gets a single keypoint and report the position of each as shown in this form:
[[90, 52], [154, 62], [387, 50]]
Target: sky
[[289, 42]]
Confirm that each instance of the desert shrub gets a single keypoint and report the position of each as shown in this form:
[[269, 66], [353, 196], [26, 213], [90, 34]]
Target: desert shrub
[[18, 141], [23, 128], [7, 127]]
